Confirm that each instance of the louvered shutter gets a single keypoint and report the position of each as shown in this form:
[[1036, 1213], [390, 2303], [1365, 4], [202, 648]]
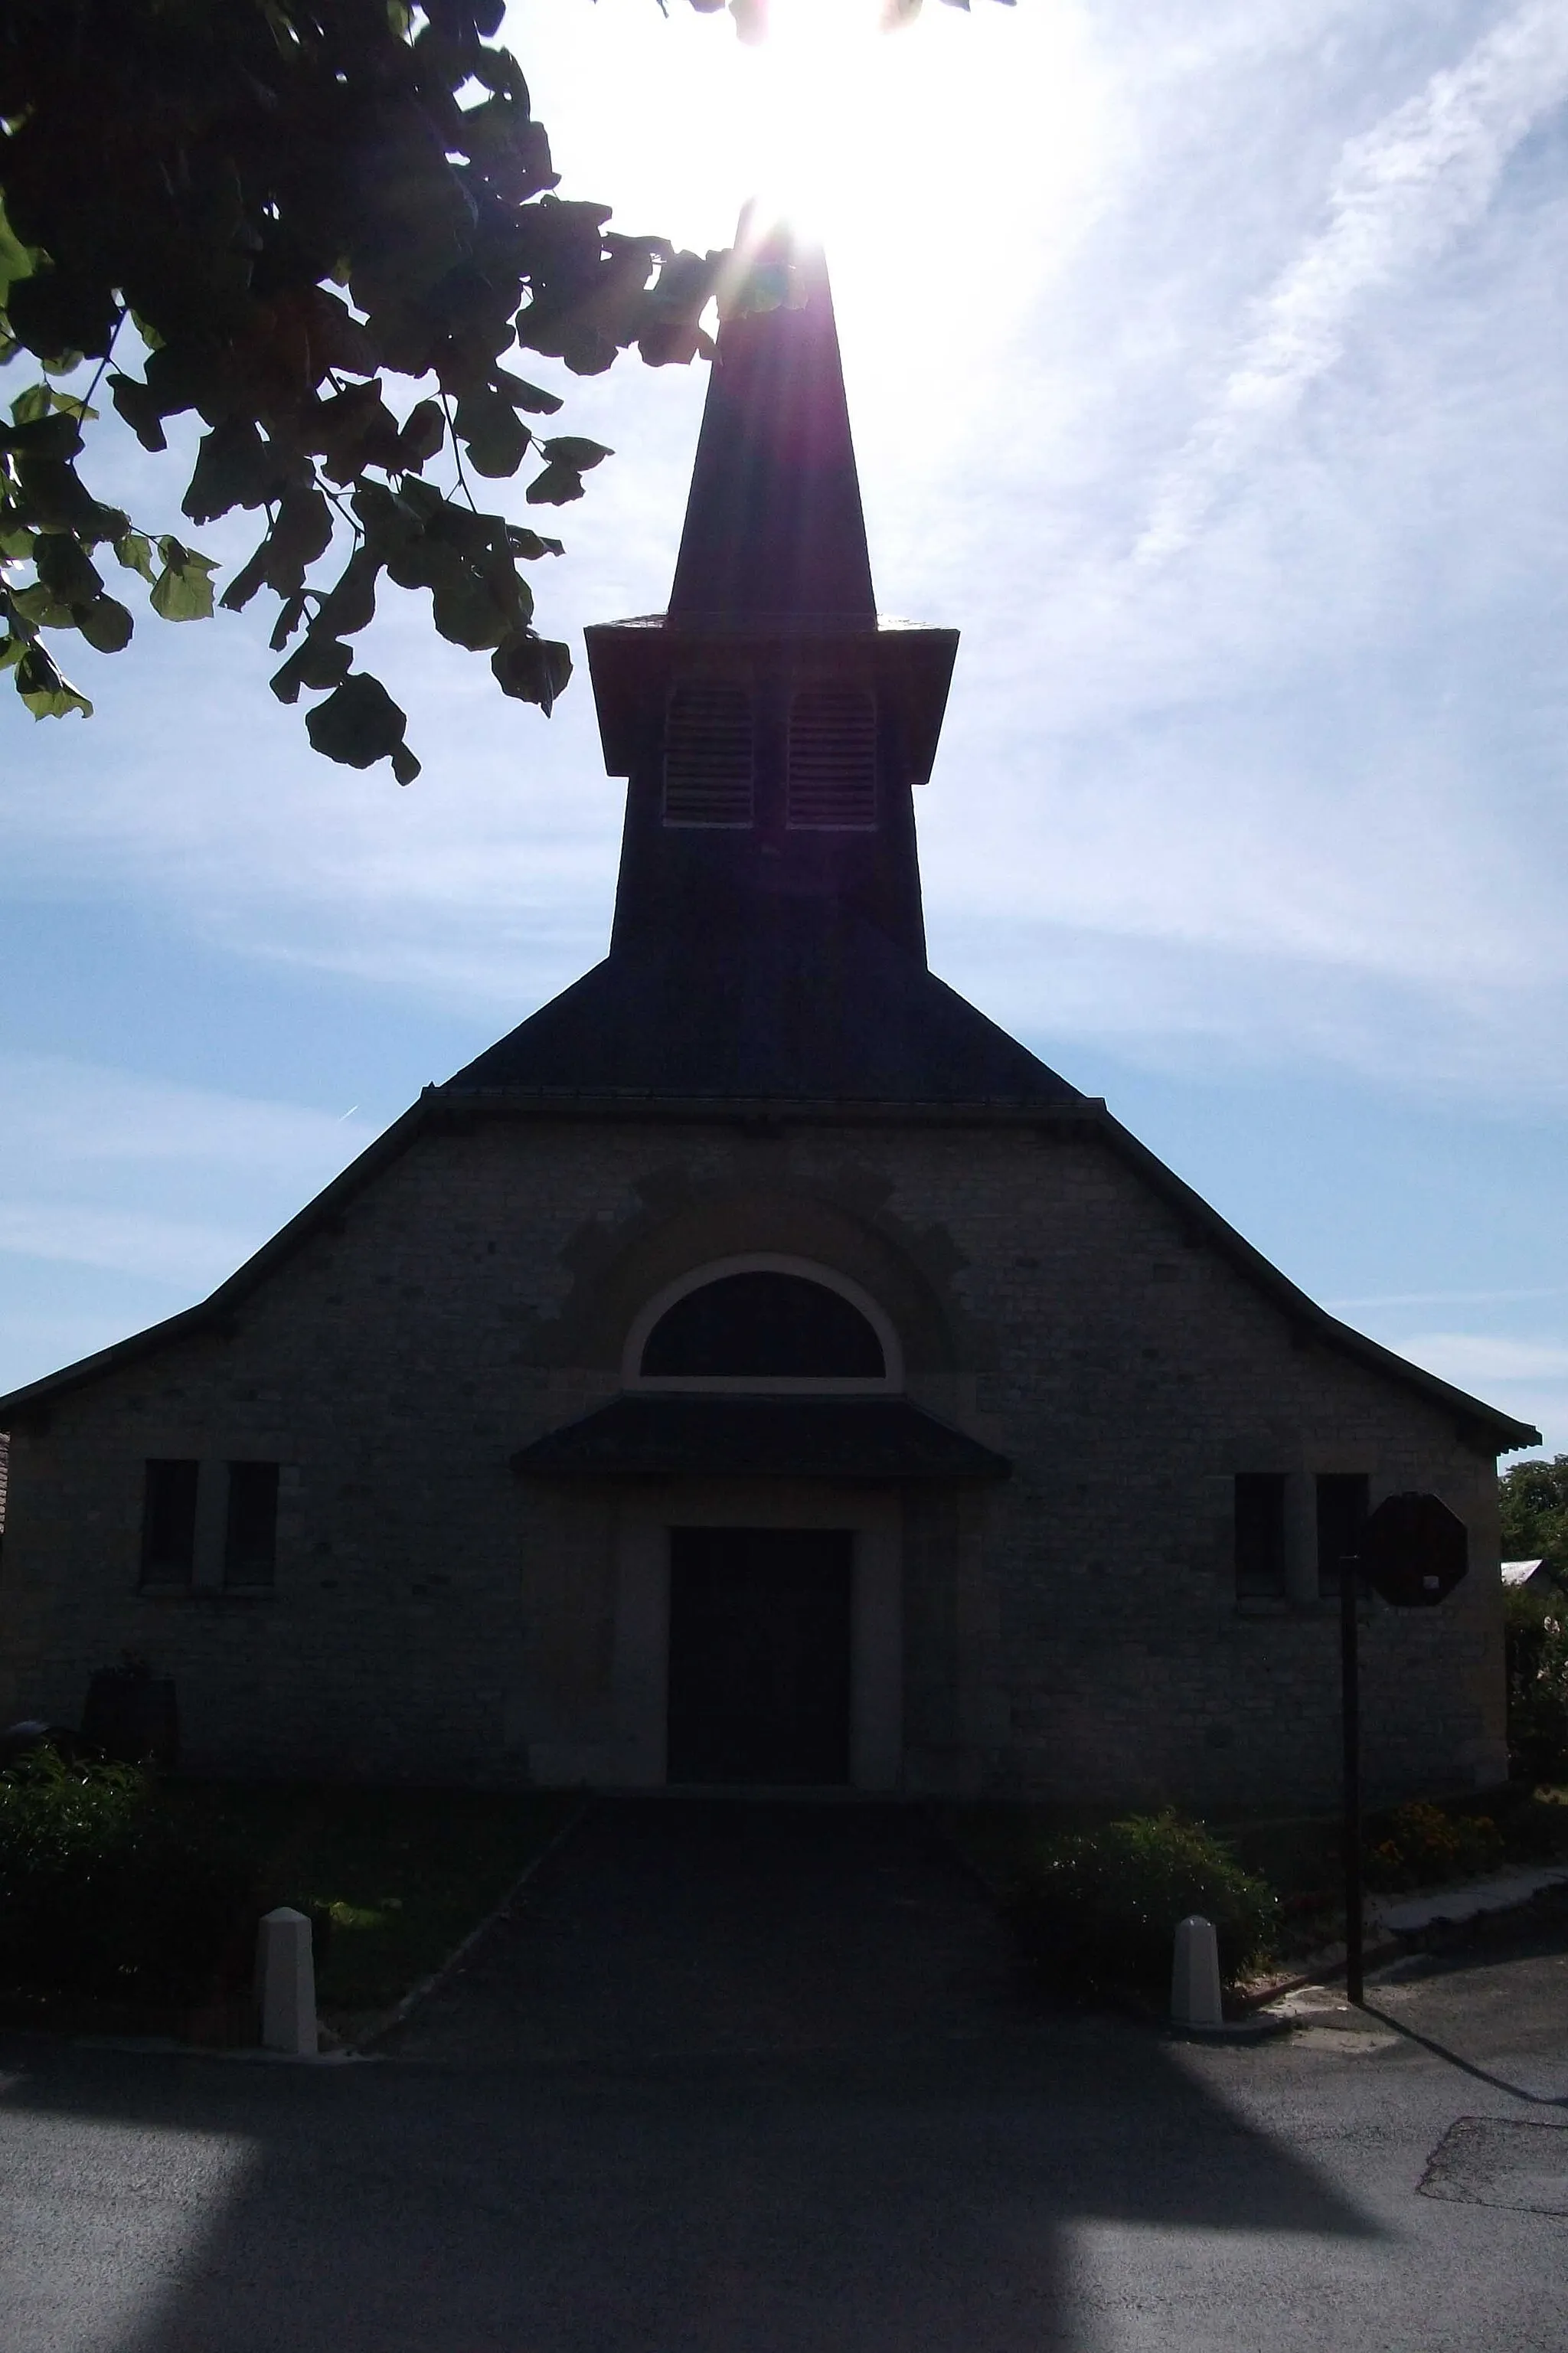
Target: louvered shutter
[[833, 759], [708, 763]]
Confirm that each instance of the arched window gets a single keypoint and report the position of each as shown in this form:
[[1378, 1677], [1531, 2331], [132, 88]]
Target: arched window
[[832, 760], [763, 1325], [708, 755]]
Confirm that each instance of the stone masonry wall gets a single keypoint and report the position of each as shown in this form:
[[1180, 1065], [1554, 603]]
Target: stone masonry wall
[[1074, 1632]]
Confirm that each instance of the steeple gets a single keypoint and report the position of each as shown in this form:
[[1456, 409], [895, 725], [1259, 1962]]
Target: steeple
[[773, 525], [768, 940], [770, 725]]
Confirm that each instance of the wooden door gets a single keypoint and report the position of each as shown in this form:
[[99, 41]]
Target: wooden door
[[759, 1655]]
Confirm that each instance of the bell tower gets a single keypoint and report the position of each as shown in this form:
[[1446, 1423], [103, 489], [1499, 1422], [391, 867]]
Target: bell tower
[[770, 724]]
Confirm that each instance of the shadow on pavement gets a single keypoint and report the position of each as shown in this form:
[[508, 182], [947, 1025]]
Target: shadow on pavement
[[900, 2190]]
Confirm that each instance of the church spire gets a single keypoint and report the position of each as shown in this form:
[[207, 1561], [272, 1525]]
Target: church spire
[[770, 725], [773, 523]]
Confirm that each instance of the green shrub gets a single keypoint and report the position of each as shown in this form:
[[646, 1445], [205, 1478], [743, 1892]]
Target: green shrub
[[1537, 1652], [1424, 1844], [103, 1895], [1101, 1909]]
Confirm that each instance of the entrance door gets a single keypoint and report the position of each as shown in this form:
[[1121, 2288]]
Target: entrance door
[[759, 1655]]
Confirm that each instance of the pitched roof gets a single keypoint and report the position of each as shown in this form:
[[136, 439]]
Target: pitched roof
[[806, 1002]]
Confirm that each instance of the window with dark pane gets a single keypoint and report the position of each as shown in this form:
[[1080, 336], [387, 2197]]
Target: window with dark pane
[[1260, 1535], [766, 1326], [1342, 1515], [832, 782], [708, 765], [250, 1530], [168, 1522]]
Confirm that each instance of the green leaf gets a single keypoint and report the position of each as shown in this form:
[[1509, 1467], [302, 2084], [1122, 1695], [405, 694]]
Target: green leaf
[[66, 569], [529, 545], [12, 650], [288, 621], [302, 532], [556, 486], [404, 766], [16, 542], [40, 608], [423, 431], [135, 552], [350, 605], [46, 692], [182, 590], [49, 436], [494, 435], [16, 259], [251, 575], [30, 405], [357, 726], [234, 468], [466, 614], [183, 558], [319, 662], [48, 396], [523, 394], [105, 624], [532, 669], [570, 450], [139, 407]]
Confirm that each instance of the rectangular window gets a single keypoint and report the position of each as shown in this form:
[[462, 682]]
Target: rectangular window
[[169, 1523], [1260, 1535], [250, 1531], [1342, 1515]]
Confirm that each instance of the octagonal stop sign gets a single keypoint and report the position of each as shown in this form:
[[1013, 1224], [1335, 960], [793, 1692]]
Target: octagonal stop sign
[[1415, 1550]]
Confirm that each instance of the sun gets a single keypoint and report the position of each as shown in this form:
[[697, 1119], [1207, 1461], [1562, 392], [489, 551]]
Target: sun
[[815, 95]]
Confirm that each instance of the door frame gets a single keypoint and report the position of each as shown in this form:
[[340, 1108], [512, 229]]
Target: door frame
[[640, 1669]]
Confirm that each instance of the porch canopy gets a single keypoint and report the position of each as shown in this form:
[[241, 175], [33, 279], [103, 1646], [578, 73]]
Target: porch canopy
[[883, 1438]]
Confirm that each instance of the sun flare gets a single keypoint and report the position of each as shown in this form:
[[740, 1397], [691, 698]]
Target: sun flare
[[815, 92]]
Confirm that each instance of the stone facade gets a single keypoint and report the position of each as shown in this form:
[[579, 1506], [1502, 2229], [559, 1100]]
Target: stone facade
[[1073, 1632]]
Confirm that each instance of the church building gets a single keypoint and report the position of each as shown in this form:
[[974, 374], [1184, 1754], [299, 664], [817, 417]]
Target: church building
[[758, 1370]]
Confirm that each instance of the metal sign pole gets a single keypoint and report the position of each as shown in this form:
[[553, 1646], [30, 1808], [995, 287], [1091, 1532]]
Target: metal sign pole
[[1350, 1706]]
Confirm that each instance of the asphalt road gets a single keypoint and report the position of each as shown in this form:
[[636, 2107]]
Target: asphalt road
[[800, 2136]]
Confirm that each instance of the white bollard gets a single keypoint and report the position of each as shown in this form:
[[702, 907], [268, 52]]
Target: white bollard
[[285, 1984], [1195, 1975]]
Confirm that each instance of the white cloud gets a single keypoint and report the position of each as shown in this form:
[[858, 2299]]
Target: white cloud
[[1468, 1359], [1401, 192], [58, 1114], [182, 1251], [106, 1169]]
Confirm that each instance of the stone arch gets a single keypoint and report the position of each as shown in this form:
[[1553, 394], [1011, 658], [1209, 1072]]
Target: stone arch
[[688, 1226], [651, 1315]]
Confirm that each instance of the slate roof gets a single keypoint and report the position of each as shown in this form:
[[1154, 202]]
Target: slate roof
[[811, 1002]]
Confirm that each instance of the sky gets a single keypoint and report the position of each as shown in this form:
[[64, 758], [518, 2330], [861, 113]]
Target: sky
[[1205, 360]]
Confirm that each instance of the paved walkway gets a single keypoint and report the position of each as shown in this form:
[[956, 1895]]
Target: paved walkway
[[664, 1928]]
